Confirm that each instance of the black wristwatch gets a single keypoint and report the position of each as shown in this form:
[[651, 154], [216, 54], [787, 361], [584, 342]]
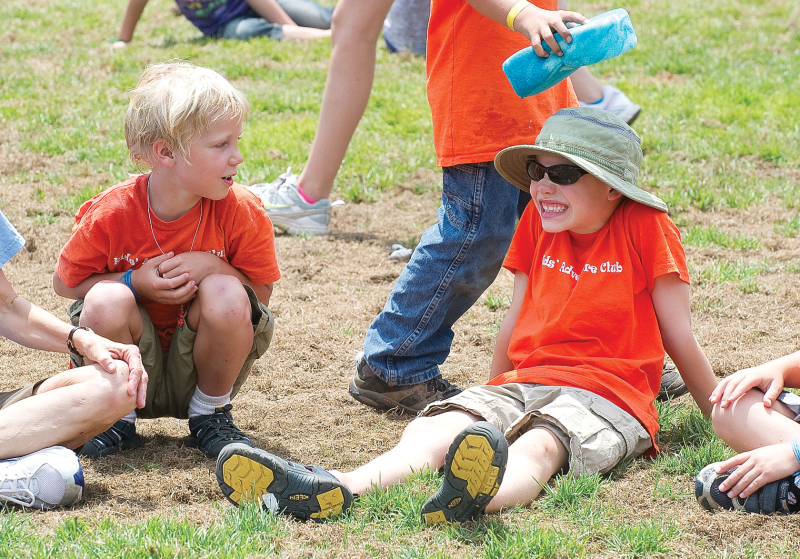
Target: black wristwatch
[[70, 345]]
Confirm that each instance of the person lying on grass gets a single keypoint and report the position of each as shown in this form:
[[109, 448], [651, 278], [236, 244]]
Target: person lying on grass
[[759, 419], [600, 290], [38, 421], [297, 20], [179, 261]]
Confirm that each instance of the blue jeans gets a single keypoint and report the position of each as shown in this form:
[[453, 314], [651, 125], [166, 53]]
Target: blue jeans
[[304, 13], [454, 263]]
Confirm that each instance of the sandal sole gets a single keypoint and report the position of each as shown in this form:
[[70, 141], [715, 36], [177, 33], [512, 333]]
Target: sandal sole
[[251, 475]]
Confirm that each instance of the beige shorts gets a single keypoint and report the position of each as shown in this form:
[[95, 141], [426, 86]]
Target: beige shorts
[[173, 378], [597, 433], [7, 399]]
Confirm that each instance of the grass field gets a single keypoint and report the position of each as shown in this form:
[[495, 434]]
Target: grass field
[[718, 81]]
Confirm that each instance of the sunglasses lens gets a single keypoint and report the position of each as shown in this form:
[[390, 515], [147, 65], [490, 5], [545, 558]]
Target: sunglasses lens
[[565, 174], [535, 171]]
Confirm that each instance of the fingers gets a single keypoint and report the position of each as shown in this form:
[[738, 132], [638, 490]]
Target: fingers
[[178, 295], [139, 384], [165, 284], [737, 462], [155, 262], [716, 394], [772, 394]]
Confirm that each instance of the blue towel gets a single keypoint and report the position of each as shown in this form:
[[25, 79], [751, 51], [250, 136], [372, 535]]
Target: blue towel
[[602, 37]]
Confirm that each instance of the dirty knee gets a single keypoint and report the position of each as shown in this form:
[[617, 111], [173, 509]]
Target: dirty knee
[[107, 306], [223, 300]]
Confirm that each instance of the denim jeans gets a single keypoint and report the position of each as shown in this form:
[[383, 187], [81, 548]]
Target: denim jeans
[[454, 263], [304, 13]]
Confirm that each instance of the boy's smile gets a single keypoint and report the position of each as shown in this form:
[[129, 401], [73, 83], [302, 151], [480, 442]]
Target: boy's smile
[[582, 207]]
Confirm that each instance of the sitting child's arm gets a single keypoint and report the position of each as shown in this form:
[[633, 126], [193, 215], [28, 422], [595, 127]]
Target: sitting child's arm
[[146, 281], [671, 302], [500, 361], [197, 265], [757, 468], [770, 378], [132, 14], [271, 11]]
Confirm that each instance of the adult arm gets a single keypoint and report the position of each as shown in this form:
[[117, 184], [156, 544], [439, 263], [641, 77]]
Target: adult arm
[[671, 302], [500, 361], [535, 23], [132, 14], [28, 325]]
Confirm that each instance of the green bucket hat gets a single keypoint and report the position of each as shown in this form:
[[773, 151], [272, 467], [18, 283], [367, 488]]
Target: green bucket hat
[[593, 139]]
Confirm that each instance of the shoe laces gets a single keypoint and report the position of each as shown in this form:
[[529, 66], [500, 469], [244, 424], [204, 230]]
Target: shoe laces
[[220, 426], [17, 489], [440, 384]]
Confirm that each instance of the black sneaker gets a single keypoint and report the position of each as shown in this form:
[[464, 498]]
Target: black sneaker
[[121, 436], [473, 470], [307, 492], [370, 389], [672, 384], [212, 433], [777, 496]]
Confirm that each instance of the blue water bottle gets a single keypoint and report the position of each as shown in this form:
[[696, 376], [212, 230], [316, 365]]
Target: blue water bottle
[[601, 38]]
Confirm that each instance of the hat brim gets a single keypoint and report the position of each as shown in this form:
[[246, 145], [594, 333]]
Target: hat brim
[[512, 164]]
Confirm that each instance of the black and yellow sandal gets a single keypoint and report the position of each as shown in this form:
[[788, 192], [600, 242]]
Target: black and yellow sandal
[[473, 470], [247, 474]]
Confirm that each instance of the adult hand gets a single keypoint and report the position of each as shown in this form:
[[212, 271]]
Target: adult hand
[[148, 282], [769, 378], [197, 265], [757, 468], [538, 25], [104, 352]]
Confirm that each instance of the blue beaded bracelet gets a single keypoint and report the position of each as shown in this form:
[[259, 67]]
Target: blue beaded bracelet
[[126, 279], [796, 448]]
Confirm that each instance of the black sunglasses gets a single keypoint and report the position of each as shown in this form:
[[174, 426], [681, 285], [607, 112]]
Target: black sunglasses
[[558, 174]]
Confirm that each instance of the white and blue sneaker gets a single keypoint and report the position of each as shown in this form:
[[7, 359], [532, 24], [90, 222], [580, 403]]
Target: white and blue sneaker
[[288, 210], [614, 101], [45, 479]]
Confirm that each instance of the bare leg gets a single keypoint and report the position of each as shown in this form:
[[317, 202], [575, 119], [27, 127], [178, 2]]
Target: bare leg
[[747, 424], [356, 27], [296, 33], [221, 316], [68, 409], [110, 310], [533, 458], [424, 445]]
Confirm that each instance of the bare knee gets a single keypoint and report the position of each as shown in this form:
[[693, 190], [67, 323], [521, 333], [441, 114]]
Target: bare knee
[[106, 394], [108, 307], [223, 301]]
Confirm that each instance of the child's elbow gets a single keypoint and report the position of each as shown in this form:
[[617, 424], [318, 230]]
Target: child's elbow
[[59, 287]]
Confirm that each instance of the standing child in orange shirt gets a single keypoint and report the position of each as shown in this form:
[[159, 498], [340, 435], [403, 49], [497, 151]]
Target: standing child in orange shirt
[[600, 281], [179, 261]]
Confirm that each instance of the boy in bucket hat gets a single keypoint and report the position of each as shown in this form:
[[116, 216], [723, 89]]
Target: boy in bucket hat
[[601, 289]]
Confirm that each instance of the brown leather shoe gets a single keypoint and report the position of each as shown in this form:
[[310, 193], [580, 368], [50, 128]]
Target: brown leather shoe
[[369, 389]]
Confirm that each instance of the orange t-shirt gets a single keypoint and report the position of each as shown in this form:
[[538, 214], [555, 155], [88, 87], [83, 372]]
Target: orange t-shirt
[[587, 319], [474, 108], [112, 234]]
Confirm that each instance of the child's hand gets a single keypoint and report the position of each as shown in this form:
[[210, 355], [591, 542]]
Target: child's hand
[[197, 265], [768, 377], [148, 282], [757, 468], [538, 25]]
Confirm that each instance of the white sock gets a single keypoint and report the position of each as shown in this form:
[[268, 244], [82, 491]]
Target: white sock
[[131, 417], [203, 404]]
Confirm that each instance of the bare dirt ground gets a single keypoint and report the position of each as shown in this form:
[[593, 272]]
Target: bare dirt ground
[[296, 402]]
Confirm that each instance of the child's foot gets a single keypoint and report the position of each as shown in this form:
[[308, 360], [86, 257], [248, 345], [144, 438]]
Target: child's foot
[[251, 474], [473, 470], [777, 496], [45, 479], [120, 436], [614, 101], [369, 389], [672, 384], [211, 433]]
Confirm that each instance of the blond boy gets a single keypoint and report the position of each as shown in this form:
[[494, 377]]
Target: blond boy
[[179, 261]]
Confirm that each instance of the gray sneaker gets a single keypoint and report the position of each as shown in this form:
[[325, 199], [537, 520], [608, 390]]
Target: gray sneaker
[[369, 389], [672, 384], [289, 211]]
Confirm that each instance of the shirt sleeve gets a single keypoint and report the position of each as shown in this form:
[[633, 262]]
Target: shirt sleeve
[[252, 241], [658, 243], [86, 251], [523, 245], [10, 240]]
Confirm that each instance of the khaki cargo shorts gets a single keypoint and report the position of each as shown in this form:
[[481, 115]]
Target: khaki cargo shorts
[[173, 378], [7, 399], [597, 433]]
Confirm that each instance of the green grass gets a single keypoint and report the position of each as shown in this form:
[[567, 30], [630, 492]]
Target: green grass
[[713, 236]]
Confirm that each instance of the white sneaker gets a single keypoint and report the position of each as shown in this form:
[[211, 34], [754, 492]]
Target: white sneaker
[[288, 210], [614, 101], [45, 479]]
